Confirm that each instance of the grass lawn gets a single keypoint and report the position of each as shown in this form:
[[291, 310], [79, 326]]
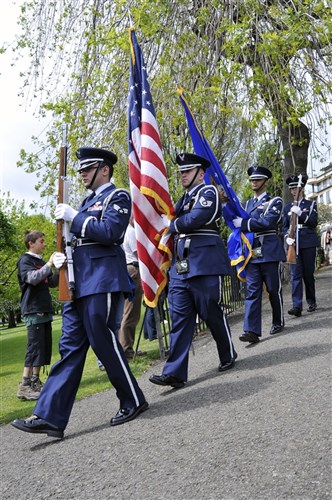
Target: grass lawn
[[12, 353]]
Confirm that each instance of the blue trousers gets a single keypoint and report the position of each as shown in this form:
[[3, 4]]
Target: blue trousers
[[150, 329], [303, 271], [201, 295], [257, 275], [88, 321]]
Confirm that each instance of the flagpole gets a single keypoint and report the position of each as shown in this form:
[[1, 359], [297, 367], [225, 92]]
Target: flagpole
[[131, 24]]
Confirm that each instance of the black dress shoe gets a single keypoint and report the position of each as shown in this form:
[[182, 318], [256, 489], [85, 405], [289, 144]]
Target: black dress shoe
[[126, 414], [167, 380], [295, 312], [251, 337], [37, 425], [226, 366], [276, 329], [312, 308]]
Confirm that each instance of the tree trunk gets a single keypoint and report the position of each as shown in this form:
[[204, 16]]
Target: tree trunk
[[11, 319], [295, 142]]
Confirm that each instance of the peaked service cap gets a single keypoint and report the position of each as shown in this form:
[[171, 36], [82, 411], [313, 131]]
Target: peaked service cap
[[293, 181], [257, 172], [88, 156], [187, 161]]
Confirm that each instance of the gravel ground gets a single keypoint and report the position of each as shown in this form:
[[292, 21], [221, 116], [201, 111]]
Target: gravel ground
[[259, 431]]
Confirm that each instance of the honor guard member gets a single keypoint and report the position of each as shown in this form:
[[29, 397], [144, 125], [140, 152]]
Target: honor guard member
[[264, 266], [306, 242], [101, 278], [199, 264]]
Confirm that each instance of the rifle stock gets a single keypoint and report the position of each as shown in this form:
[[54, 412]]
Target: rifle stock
[[291, 252], [65, 294]]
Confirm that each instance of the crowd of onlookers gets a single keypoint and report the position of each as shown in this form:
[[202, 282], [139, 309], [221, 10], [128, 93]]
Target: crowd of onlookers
[[326, 244]]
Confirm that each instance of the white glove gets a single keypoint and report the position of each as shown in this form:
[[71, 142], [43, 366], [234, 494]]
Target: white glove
[[237, 221], [166, 220], [58, 259], [296, 210], [290, 241], [65, 212]]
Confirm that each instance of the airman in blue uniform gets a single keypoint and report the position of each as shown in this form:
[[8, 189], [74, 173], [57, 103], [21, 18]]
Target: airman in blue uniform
[[199, 264], [264, 266], [306, 242], [101, 279]]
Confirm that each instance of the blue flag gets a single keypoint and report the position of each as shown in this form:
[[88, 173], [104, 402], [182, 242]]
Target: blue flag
[[239, 244]]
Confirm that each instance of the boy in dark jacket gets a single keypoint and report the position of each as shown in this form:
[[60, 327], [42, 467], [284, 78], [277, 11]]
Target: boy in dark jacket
[[35, 277]]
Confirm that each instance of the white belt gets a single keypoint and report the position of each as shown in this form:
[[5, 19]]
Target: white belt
[[201, 232]]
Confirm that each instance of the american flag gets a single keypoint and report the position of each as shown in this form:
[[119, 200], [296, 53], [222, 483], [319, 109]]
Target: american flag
[[148, 180]]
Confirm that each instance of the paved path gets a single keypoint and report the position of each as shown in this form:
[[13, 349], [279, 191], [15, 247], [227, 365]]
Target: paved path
[[259, 431]]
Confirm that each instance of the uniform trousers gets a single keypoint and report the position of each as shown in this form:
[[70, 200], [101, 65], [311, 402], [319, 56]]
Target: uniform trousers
[[90, 320], [303, 271], [200, 295], [268, 273]]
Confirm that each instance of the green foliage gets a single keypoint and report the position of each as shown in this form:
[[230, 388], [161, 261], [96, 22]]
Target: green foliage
[[248, 67], [20, 222], [6, 232], [324, 214]]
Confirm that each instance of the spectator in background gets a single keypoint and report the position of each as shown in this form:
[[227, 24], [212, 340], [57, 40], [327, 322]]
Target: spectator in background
[[326, 245], [132, 308], [306, 242], [35, 276], [149, 322]]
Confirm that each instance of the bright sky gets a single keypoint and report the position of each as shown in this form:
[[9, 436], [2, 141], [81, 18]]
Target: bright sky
[[17, 121]]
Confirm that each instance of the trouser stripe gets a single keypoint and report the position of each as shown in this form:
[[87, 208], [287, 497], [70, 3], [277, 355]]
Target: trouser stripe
[[116, 349]]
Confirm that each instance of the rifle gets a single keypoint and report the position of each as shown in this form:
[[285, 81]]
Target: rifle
[[291, 254], [66, 273]]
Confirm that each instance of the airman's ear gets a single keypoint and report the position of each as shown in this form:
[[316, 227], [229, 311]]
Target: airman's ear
[[109, 169]]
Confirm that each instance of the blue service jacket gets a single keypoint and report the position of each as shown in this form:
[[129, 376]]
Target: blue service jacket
[[307, 222], [99, 262], [196, 234], [263, 221]]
